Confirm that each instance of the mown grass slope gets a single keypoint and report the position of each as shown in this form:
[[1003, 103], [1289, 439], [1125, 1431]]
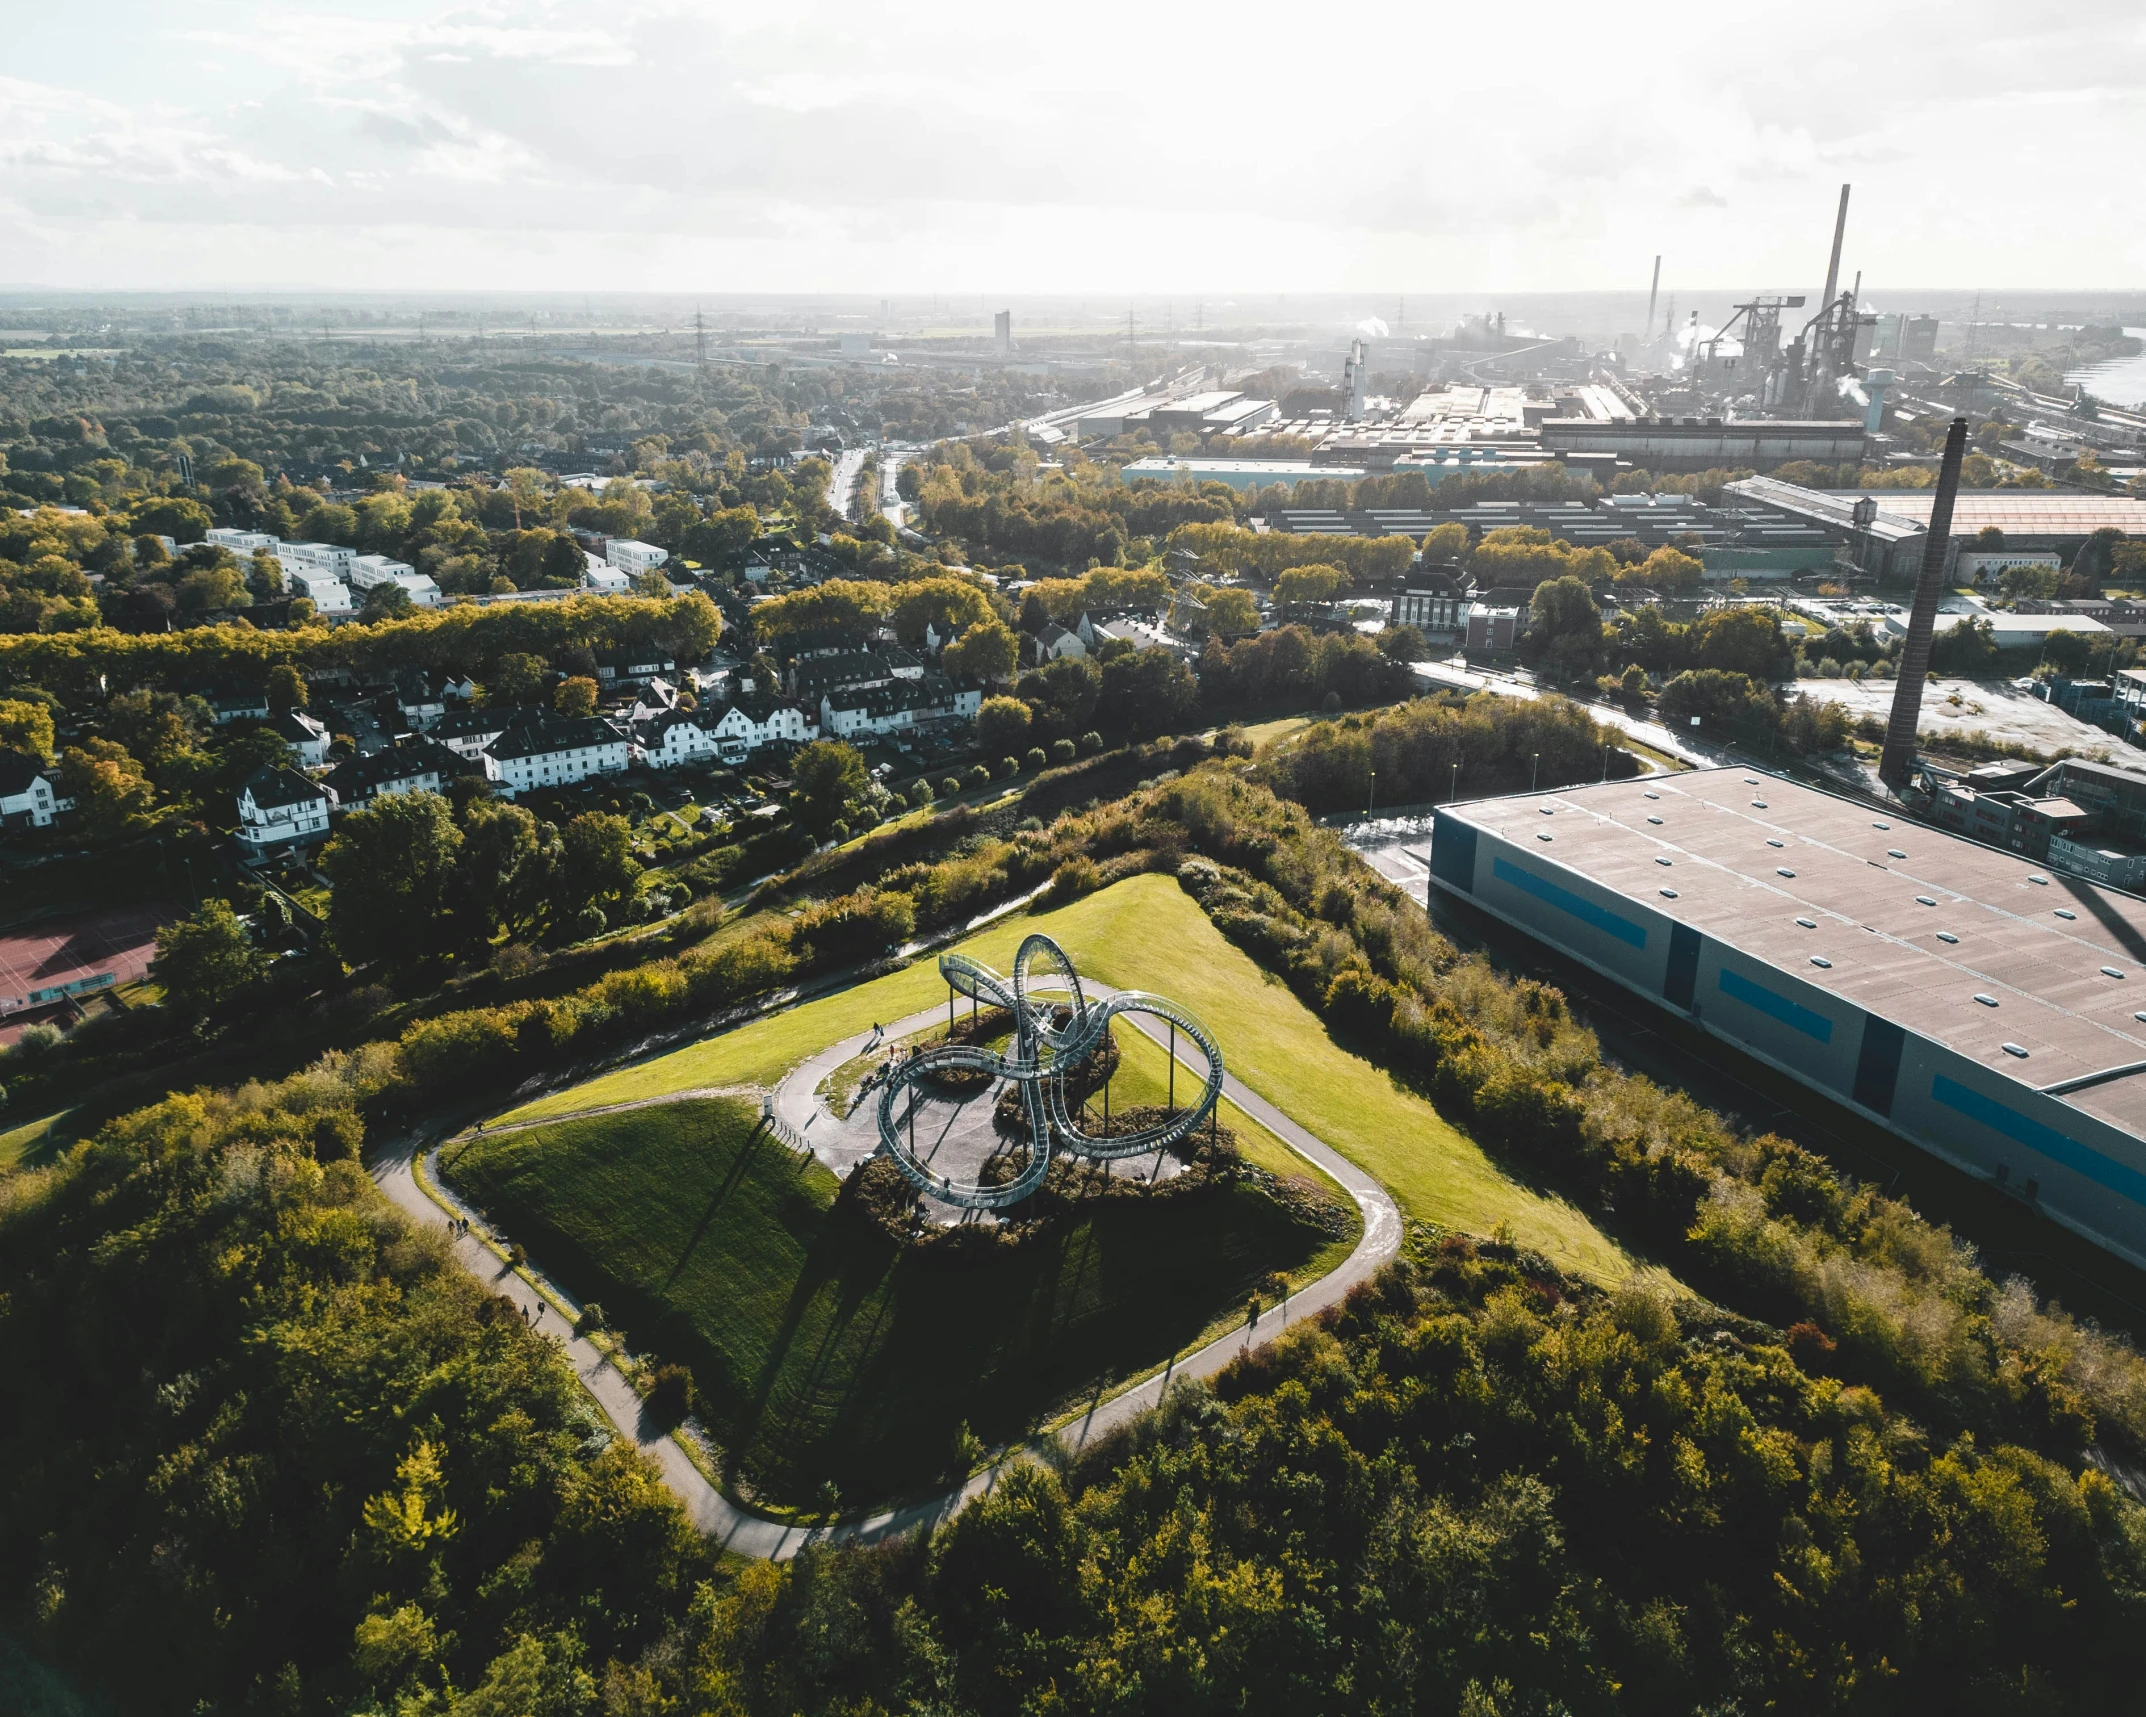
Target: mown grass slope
[[821, 1349], [1146, 933]]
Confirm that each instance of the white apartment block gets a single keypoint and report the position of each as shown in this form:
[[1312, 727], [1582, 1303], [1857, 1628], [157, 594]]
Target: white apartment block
[[602, 577], [281, 808], [244, 544], [631, 557], [330, 595], [331, 558]]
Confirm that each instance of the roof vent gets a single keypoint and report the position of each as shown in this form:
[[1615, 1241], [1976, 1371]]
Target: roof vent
[[1808, 923], [2014, 1049], [1821, 960], [2110, 972], [2065, 912], [1924, 900], [1946, 936], [1986, 1001]]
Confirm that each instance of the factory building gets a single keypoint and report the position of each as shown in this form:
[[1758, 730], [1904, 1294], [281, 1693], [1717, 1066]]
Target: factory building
[[1971, 1001], [1705, 444], [1889, 542]]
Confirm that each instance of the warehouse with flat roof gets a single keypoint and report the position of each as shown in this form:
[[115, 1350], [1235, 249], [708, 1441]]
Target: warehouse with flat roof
[[1983, 1007]]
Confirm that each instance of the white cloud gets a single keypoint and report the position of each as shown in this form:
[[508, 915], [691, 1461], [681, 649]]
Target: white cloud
[[949, 143]]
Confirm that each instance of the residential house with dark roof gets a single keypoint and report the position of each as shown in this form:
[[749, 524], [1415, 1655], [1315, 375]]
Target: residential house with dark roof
[[898, 707], [556, 751], [414, 766], [1056, 644], [279, 809]]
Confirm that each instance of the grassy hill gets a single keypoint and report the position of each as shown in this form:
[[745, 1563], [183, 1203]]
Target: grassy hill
[[1146, 933], [820, 1349]]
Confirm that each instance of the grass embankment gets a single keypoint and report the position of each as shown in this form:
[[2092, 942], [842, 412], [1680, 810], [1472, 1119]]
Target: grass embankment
[[821, 1349], [36, 1143], [1146, 933]]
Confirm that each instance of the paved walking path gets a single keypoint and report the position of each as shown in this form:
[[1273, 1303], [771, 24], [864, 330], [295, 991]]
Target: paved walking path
[[751, 1534]]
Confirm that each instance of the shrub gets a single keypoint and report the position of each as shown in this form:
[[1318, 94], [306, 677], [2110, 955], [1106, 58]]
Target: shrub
[[1034, 758], [978, 776], [949, 785], [1006, 768], [1074, 878], [1063, 751], [670, 1396], [1091, 742], [589, 921], [920, 794]]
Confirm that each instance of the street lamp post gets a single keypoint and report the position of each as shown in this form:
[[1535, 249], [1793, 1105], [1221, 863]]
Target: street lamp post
[[1371, 802], [1453, 792], [1534, 769]]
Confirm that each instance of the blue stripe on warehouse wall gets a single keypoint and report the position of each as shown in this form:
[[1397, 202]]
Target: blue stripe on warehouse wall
[[1585, 910], [1739, 988], [2036, 1136]]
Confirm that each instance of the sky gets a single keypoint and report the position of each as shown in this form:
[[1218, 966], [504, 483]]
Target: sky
[[1154, 148]]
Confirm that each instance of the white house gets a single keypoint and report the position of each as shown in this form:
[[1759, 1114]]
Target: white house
[[688, 736], [602, 577], [631, 557], [420, 705], [1054, 644], [557, 751], [307, 738], [280, 808], [29, 792]]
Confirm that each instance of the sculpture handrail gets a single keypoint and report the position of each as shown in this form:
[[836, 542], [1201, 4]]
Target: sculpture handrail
[[1043, 1053]]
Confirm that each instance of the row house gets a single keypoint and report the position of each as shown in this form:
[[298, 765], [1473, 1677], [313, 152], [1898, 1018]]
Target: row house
[[722, 733], [898, 708], [29, 792], [413, 766], [555, 751]]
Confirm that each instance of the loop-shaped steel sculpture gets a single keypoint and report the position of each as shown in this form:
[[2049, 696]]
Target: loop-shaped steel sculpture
[[1045, 1051]]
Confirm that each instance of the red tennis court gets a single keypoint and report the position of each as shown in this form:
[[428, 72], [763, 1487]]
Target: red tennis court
[[78, 955]]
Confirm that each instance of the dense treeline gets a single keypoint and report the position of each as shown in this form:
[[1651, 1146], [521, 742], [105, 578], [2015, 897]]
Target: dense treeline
[[272, 1451]]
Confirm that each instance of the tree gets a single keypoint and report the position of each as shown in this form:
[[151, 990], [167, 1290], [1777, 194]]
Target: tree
[[1446, 544], [389, 868], [286, 689], [1002, 725], [1310, 584], [1231, 612], [517, 679], [1742, 640], [220, 586], [1728, 705], [596, 863], [1148, 692], [1566, 634], [206, 961], [941, 602], [839, 605], [1402, 644], [506, 870], [1669, 570], [1062, 694], [111, 795], [563, 562], [1965, 650], [825, 778], [576, 696], [388, 601], [987, 652], [26, 727]]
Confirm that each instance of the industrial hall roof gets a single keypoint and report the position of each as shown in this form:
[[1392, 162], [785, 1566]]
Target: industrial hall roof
[[1965, 945], [2028, 512]]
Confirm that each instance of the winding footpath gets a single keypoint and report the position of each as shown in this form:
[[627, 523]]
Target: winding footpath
[[396, 1170]]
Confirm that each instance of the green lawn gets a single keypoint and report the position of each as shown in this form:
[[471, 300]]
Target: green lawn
[[1146, 933], [821, 1349], [37, 1142]]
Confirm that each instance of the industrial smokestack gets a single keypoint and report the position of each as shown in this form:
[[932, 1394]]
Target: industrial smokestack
[[1651, 291], [1840, 231], [1897, 762]]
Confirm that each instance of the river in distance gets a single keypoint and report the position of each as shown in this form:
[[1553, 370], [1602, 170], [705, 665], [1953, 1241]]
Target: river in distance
[[2120, 381]]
